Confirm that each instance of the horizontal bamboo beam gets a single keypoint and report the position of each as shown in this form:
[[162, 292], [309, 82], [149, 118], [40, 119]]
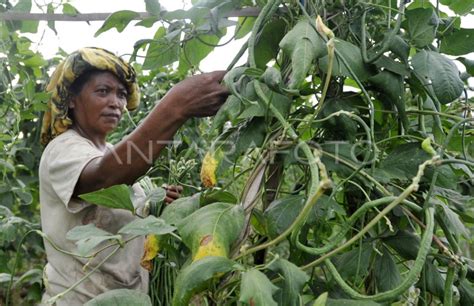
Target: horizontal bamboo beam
[[12, 16]]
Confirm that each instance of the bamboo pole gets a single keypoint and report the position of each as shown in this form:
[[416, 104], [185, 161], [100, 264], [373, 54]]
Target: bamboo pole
[[11, 16]]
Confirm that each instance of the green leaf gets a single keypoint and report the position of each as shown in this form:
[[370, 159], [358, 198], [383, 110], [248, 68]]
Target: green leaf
[[391, 86], [272, 78], [321, 300], [400, 47], [266, 47], [451, 220], [35, 61], [386, 272], [30, 276], [460, 202], [461, 7], [25, 197], [9, 228], [432, 279], [217, 195], [195, 50], [421, 26], [468, 63], [153, 7], [244, 26], [147, 22], [339, 127], [293, 281], [118, 20], [180, 209], [281, 102], [197, 276], [403, 161], [257, 289], [120, 297], [149, 225], [117, 196], [7, 166], [304, 45], [70, 10], [458, 42], [355, 263], [50, 10], [466, 291], [250, 134], [447, 178], [27, 26], [228, 112], [387, 63], [281, 213], [351, 54], [161, 51], [88, 237], [86, 231], [404, 243], [22, 6], [222, 222], [5, 278], [442, 72]]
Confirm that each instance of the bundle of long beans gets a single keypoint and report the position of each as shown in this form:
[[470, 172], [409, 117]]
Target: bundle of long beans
[[164, 269]]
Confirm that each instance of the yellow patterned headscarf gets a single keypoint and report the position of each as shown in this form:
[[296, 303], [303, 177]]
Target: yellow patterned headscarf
[[56, 120]]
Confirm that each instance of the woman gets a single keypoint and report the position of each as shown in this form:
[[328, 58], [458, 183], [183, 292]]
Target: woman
[[89, 92]]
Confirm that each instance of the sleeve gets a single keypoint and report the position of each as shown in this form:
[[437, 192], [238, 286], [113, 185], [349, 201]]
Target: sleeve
[[66, 161]]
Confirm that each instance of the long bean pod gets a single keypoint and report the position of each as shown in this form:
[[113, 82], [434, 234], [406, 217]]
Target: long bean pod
[[408, 281], [448, 286]]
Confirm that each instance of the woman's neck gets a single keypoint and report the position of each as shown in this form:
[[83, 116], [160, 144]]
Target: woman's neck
[[97, 140]]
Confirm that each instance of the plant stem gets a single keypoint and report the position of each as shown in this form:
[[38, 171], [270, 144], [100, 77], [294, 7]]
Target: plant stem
[[413, 187], [53, 299], [238, 56], [388, 39], [448, 286], [356, 79], [362, 172], [412, 275], [333, 241], [294, 136], [457, 161], [299, 219], [330, 47], [359, 120], [17, 260]]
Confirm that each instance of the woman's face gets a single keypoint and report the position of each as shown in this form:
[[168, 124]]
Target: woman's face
[[98, 107]]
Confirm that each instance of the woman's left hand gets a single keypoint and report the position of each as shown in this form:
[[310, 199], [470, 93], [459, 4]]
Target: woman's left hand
[[173, 192]]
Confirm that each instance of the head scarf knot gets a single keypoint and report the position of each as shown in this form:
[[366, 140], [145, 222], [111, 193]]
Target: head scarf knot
[[56, 120]]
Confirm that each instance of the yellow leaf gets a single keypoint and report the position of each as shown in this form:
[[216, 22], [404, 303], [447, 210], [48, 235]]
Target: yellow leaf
[[151, 250], [208, 170], [209, 247]]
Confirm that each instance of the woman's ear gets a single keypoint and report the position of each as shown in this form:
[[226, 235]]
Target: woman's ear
[[72, 102]]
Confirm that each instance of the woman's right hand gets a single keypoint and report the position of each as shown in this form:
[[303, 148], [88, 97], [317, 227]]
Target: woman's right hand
[[198, 96]]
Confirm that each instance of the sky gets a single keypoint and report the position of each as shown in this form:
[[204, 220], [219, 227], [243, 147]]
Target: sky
[[74, 35]]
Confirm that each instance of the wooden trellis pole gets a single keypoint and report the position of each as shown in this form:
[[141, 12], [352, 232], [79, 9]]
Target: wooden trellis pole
[[11, 16]]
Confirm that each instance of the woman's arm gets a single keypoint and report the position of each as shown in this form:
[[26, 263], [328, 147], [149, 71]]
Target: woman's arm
[[197, 96]]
